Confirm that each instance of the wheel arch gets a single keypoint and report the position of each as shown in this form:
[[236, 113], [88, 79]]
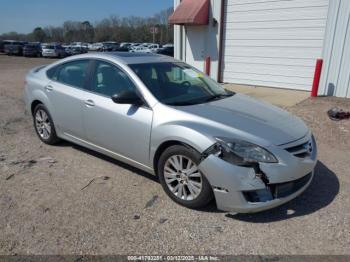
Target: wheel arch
[[162, 147], [176, 134], [206, 192], [34, 105], [39, 97]]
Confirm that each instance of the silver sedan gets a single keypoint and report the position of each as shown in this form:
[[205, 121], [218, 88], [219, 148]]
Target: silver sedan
[[169, 119]]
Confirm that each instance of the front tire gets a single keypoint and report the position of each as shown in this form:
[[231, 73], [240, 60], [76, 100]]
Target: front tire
[[44, 126], [181, 179]]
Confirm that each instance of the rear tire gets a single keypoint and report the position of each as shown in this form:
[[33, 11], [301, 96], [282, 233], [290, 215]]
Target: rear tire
[[180, 178], [44, 126]]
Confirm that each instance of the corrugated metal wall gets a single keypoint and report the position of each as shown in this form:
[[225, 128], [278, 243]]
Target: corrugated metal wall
[[335, 79], [273, 43]]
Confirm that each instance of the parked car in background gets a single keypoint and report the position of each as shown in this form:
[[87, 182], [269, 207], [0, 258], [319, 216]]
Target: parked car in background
[[53, 50], [85, 46], [96, 47], [145, 45], [125, 44], [168, 45], [2, 45], [75, 50], [137, 49], [109, 46], [133, 45], [80, 44], [122, 49], [154, 47], [171, 120], [32, 49], [14, 48], [145, 48], [169, 51]]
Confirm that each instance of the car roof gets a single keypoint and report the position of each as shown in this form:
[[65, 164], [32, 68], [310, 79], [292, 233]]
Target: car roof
[[140, 58], [129, 58]]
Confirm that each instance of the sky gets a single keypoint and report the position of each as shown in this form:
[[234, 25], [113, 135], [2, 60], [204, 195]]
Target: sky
[[23, 16]]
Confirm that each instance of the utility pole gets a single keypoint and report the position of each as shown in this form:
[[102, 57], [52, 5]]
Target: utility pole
[[154, 31]]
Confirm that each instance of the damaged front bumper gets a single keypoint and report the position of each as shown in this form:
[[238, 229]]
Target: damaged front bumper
[[244, 189]]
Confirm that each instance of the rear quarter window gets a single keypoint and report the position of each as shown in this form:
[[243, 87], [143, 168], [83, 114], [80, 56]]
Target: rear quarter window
[[52, 73], [72, 73]]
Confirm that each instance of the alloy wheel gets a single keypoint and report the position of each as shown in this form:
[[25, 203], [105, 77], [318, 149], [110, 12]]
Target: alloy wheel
[[43, 124], [182, 177]]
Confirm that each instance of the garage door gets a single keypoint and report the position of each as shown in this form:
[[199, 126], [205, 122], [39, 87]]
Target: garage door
[[273, 43]]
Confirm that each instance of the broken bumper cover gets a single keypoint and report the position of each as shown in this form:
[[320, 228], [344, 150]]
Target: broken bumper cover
[[240, 189]]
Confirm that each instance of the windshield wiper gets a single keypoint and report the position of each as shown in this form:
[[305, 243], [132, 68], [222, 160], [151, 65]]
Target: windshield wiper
[[181, 104], [212, 98], [217, 97]]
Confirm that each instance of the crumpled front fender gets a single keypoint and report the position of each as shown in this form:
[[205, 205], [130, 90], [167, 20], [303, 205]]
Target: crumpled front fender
[[228, 181]]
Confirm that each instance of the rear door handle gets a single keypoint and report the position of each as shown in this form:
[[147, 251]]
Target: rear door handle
[[89, 102], [48, 88]]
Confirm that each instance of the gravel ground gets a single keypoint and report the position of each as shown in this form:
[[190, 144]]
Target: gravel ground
[[44, 210]]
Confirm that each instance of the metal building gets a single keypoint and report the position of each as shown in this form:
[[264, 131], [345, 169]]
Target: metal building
[[267, 43]]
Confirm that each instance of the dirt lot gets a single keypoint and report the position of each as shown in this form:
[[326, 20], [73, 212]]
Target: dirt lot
[[44, 211]]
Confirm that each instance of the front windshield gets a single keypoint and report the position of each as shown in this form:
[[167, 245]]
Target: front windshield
[[178, 83]]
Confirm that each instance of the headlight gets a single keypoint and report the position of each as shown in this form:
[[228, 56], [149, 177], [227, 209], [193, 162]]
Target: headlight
[[243, 153]]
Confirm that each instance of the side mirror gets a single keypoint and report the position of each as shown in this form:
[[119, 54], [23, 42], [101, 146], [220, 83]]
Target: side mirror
[[127, 97]]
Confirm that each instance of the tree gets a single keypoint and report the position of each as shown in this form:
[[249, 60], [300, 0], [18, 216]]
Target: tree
[[13, 36], [54, 34], [39, 34], [88, 32]]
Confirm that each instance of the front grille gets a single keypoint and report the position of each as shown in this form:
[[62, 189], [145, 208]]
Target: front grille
[[286, 189], [273, 191], [303, 150]]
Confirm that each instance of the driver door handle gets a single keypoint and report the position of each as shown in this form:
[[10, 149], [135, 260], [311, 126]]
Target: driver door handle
[[89, 102], [49, 88]]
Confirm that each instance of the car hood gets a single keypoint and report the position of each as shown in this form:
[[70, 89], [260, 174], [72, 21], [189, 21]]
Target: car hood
[[248, 115]]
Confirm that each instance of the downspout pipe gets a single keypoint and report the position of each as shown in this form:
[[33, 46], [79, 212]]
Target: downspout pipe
[[221, 37]]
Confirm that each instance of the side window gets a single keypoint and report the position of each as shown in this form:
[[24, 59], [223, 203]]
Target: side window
[[52, 73], [109, 80], [72, 73]]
